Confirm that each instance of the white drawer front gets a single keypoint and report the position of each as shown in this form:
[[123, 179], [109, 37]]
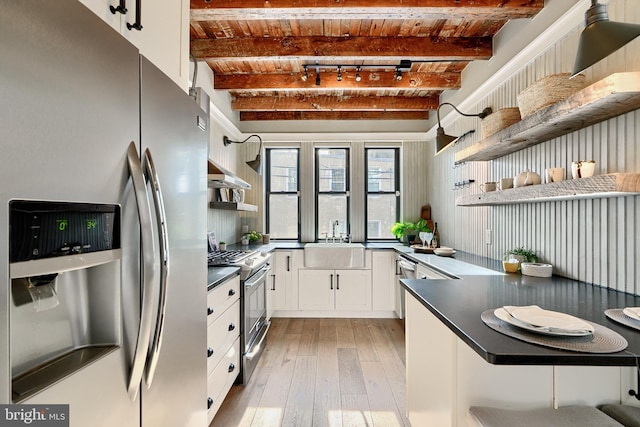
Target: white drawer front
[[222, 333], [221, 298], [221, 379]]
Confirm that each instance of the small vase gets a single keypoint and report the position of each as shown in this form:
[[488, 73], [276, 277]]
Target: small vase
[[223, 246]]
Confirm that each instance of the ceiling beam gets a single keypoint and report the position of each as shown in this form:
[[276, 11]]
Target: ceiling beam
[[367, 48], [333, 115], [333, 103], [240, 10], [369, 80]]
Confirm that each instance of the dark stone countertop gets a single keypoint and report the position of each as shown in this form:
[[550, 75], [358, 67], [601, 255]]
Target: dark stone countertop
[[218, 275], [459, 303]]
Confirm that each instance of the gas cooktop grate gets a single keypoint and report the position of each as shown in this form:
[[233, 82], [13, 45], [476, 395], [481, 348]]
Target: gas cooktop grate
[[231, 257]]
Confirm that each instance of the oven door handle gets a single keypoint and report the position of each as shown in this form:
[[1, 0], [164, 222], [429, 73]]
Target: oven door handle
[[256, 347], [257, 277]]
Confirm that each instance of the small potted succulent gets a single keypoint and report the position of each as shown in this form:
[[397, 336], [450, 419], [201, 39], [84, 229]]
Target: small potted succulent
[[512, 258]]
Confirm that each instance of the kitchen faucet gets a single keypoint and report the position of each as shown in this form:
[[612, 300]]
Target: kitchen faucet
[[334, 224]]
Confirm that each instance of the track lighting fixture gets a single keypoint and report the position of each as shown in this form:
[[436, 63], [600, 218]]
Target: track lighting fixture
[[358, 77], [317, 78], [442, 139], [398, 75], [339, 73], [306, 73]]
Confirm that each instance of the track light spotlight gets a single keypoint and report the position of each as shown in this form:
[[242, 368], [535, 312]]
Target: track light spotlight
[[339, 73], [358, 77], [306, 74], [317, 78], [398, 75]]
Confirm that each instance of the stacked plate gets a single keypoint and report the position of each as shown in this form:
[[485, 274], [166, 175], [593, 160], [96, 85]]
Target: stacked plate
[[632, 312], [535, 319], [444, 251]]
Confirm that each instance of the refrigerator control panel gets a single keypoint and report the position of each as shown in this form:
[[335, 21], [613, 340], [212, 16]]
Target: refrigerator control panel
[[43, 229]]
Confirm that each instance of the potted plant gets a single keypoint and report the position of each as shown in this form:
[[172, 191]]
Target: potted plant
[[223, 246], [407, 231], [513, 257]]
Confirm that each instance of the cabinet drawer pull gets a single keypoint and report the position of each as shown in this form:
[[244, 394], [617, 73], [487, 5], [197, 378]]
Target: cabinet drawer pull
[[232, 292], [209, 352], [209, 311], [337, 281], [209, 402], [288, 263], [232, 367], [122, 8], [331, 281], [231, 327]]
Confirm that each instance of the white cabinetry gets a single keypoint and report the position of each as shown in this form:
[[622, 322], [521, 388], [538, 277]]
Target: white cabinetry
[[282, 288], [383, 280], [164, 38], [339, 290], [424, 272], [223, 341]]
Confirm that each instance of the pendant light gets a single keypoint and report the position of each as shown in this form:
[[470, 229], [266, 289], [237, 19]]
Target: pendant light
[[601, 37]]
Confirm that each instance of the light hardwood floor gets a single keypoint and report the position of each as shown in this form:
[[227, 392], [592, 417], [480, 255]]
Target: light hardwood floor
[[324, 372]]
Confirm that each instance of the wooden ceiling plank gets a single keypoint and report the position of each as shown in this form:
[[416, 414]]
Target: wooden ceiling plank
[[333, 115], [365, 9], [380, 80], [455, 48], [333, 103]]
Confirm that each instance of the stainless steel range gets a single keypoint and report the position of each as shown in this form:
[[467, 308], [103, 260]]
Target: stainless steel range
[[254, 269]]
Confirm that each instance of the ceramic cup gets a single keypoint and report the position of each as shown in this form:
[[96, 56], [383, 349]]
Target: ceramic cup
[[506, 183], [265, 238], [583, 168], [553, 175], [488, 186]]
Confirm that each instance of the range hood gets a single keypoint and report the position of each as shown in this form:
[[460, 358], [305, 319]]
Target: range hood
[[219, 177]]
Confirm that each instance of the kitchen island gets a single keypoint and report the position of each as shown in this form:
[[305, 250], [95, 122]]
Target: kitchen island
[[455, 361]]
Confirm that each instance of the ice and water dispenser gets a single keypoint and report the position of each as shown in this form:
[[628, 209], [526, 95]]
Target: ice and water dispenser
[[65, 289]]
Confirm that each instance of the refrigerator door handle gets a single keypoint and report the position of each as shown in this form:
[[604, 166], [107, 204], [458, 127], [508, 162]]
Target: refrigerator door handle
[[147, 270], [161, 220]]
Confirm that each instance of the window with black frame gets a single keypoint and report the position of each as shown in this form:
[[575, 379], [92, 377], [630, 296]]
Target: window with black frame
[[332, 192], [282, 193], [383, 192]]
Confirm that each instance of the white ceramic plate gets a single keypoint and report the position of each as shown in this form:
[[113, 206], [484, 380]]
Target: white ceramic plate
[[633, 312], [502, 314], [537, 316]]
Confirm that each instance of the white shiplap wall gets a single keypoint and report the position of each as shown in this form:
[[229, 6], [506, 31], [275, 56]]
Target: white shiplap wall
[[591, 240]]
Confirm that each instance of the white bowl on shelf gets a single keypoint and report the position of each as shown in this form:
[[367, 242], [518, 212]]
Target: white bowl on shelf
[[536, 269]]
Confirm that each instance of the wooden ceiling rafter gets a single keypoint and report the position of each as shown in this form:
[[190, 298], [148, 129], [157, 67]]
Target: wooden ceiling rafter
[[333, 103], [257, 50]]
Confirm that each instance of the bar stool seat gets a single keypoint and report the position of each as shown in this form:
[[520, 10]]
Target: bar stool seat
[[568, 416], [629, 416]]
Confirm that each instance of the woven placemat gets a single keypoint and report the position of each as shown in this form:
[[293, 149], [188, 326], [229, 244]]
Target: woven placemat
[[617, 315], [603, 340]]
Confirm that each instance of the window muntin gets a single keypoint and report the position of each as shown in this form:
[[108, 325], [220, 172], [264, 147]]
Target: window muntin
[[282, 193]]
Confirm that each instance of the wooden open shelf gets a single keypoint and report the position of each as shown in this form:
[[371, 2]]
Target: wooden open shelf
[[233, 206], [610, 97], [610, 185]]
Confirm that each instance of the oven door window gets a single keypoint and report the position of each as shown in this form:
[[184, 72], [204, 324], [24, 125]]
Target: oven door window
[[255, 304]]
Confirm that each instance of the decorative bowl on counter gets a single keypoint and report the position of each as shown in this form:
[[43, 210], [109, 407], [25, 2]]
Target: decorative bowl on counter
[[444, 251], [536, 269]]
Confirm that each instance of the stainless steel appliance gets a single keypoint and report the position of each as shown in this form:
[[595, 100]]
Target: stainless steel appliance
[[87, 121], [254, 269], [405, 269]]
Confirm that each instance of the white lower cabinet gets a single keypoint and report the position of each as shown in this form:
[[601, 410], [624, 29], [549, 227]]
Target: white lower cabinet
[[282, 290], [383, 280], [334, 290], [223, 342]]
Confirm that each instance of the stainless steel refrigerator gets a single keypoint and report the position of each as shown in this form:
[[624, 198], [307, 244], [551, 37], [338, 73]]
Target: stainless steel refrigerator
[[76, 101]]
